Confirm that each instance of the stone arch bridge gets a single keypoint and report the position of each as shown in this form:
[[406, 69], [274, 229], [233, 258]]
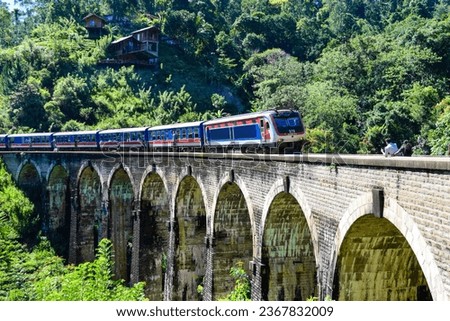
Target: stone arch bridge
[[350, 227]]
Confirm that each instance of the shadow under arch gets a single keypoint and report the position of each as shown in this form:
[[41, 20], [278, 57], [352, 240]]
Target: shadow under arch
[[121, 205], [58, 215], [28, 178], [27, 163], [92, 218], [190, 252], [233, 233], [153, 233], [394, 239], [288, 249]]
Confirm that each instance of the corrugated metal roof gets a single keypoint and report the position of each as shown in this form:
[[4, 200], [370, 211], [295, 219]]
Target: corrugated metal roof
[[94, 15], [143, 29], [123, 38]]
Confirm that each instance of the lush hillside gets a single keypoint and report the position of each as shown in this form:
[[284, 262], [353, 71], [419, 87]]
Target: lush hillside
[[30, 269], [359, 71]]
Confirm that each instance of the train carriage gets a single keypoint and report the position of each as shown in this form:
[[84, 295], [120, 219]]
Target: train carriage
[[3, 142], [181, 137], [77, 140], [36, 141], [125, 138]]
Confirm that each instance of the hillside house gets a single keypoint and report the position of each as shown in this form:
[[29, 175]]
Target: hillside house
[[139, 48], [95, 25]]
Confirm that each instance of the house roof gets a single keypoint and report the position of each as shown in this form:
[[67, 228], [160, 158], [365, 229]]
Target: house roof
[[94, 15], [123, 39], [144, 29]]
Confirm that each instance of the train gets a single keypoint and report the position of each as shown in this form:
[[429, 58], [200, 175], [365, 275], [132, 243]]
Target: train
[[272, 131]]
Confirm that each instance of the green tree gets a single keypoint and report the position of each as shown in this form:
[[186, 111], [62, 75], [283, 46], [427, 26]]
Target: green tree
[[6, 25], [27, 108], [440, 136], [16, 211], [275, 79], [71, 94], [334, 110], [242, 286], [90, 281]]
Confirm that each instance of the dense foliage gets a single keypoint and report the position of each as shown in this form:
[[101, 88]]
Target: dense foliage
[[359, 70], [36, 273], [242, 287]]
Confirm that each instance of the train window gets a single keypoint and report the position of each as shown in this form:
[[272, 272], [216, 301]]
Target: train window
[[267, 125], [183, 133], [190, 133], [164, 135], [196, 133], [261, 123], [220, 134]]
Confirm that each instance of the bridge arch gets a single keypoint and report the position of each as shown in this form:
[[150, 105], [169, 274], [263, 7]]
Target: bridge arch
[[27, 163], [394, 239], [91, 221], [58, 215], [190, 233], [233, 232], [121, 205], [289, 245], [29, 180], [228, 179], [153, 232]]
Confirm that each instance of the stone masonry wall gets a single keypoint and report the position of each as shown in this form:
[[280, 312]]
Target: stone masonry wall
[[332, 192]]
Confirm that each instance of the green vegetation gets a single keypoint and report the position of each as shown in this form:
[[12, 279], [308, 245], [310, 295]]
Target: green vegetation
[[359, 71], [36, 273], [242, 286]]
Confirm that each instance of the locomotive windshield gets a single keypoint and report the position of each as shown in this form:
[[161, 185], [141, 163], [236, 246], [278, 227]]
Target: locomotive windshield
[[288, 123]]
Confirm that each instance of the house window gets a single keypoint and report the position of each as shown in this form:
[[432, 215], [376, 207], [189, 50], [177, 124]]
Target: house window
[[92, 23]]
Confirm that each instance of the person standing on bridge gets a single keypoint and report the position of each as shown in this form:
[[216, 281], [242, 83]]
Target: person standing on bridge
[[405, 149], [390, 149]]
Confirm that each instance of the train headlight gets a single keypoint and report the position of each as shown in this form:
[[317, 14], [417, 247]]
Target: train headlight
[[280, 140]]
